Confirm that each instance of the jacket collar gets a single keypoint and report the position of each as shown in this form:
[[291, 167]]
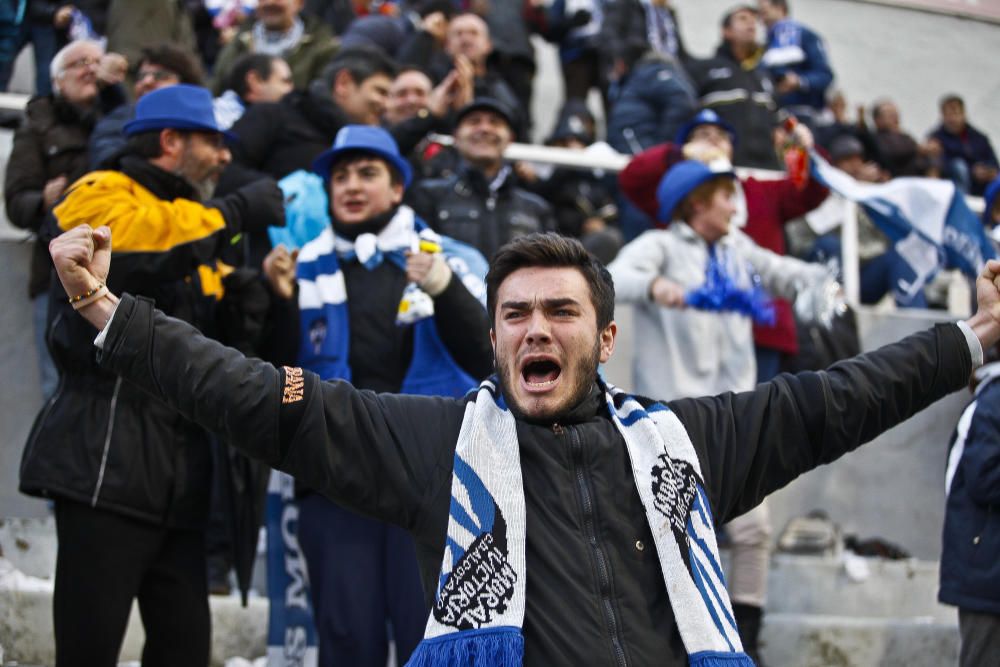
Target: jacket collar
[[161, 183]]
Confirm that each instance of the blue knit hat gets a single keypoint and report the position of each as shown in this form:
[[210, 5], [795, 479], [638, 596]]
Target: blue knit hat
[[990, 197], [704, 117], [179, 107], [684, 177], [363, 139]]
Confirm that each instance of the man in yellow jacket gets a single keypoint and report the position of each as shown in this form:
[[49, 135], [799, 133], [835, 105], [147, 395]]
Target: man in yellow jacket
[[129, 476]]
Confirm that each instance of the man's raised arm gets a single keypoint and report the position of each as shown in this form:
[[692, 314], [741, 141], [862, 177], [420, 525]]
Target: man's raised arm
[[378, 454]]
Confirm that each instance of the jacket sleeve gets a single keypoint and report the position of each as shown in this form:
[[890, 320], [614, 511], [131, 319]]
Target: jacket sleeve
[[756, 442], [380, 454], [818, 75], [256, 129], [464, 329], [980, 464], [24, 182], [637, 265], [639, 179], [781, 275], [108, 136], [674, 102]]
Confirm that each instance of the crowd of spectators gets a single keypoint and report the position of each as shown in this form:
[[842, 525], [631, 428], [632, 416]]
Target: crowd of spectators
[[291, 78]]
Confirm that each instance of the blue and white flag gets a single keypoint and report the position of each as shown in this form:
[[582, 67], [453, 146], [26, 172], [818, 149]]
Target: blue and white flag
[[926, 219]]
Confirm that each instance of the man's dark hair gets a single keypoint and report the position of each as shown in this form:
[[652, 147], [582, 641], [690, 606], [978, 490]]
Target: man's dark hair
[[428, 7], [727, 18], [175, 59], [949, 99], [261, 63], [552, 251], [145, 145], [780, 4], [361, 62], [349, 157]]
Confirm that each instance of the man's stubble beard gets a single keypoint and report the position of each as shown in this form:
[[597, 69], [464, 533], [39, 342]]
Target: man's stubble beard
[[585, 376]]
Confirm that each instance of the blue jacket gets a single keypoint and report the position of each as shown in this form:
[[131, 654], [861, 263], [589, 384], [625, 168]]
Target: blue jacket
[[970, 557], [792, 47], [972, 146], [650, 105]]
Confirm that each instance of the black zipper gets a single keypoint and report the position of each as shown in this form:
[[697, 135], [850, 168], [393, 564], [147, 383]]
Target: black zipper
[[603, 570]]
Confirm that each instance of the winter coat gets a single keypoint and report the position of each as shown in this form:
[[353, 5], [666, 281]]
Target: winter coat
[[307, 59], [972, 146], [651, 105], [792, 47], [970, 553], [742, 95], [597, 595], [769, 205], [464, 208], [99, 440], [688, 352], [51, 142]]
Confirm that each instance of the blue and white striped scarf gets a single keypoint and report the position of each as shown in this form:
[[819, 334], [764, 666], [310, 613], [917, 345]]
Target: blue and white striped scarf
[[479, 607], [325, 321]]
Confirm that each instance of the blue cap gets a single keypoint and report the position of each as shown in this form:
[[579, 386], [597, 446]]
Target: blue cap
[[704, 117], [179, 107], [364, 139], [684, 177], [990, 197]]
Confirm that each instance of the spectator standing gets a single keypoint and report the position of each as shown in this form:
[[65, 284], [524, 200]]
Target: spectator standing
[[362, 572], [797, 61], [901, 155], [512, 56], [280, 29], [49, 154], [256, 77], [481, 204], [768, 204], [688, 346], [970, 569], [733, 84], [964, 154], [131, 503], [159, 66]]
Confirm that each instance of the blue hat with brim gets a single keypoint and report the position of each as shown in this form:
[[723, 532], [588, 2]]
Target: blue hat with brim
[[363, 139], [684, 177], [178, 107], [990, 198], [704, 117]]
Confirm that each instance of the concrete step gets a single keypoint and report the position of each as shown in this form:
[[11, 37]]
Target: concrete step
[[813, 640]]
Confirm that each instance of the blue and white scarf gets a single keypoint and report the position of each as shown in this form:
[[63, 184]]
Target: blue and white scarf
[[325, 323], [479, 607]]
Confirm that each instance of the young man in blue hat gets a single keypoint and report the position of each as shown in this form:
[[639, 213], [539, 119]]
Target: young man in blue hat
[[393, 307], [697, 290], [130, 477]]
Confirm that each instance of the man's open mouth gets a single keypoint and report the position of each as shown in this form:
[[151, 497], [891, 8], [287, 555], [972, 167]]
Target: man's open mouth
[[540, 373]]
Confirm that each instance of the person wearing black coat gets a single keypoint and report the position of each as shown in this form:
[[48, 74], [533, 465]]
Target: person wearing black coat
[[481, 204], [596, 593]]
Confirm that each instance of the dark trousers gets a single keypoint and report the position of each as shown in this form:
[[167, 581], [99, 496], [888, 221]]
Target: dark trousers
[[980, 633], [106, 560], [362, 574]]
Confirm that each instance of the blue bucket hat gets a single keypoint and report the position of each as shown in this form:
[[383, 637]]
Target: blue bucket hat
[[179, 107], [684, 177], [363, 139], [704, 117], [990, 197]]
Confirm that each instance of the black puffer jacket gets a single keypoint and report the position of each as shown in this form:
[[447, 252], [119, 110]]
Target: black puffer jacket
[[741, 94], [99, 440], [593, 578], [465, 208]]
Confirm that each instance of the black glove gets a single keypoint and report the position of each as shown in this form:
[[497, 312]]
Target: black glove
[[253, 207]]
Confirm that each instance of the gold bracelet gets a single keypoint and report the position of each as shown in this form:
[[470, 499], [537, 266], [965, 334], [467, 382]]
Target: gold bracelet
[[90, 297]]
